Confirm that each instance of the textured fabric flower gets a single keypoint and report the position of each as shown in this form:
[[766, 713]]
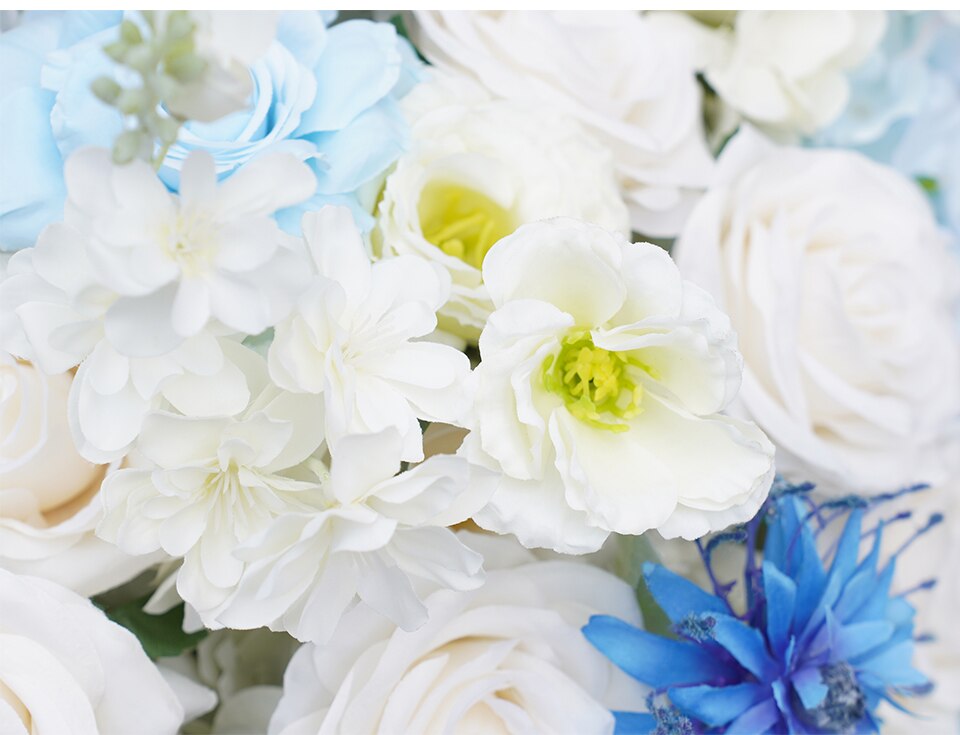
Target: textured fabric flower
[[820, 644], [135, 282], [353, 338], [67, 668], [626, 82], [326, 95], [784, 71], [837, 279], [375, 538], [203, 485], [49, 495], [506, 658], [479, 168], [601, 377]]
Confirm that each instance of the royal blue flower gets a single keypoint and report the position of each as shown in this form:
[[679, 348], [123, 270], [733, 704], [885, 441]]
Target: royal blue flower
[[818, 647], [325, 94]]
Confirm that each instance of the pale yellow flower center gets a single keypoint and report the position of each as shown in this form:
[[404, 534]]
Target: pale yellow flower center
[[461, 221]]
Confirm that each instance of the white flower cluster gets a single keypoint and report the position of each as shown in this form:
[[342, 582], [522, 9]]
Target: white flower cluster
[[185, 382]]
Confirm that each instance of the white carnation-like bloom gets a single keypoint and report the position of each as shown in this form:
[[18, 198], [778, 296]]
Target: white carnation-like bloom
[[839, 283], [230, 42], [353, 339], [135, 282], [49, 495], [476, 170], [625, 81], [506, 658], [601, 377], [67, 668], [203, 485], [376, 538], [784, 71]]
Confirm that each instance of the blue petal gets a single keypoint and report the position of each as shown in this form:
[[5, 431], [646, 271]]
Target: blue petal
[[31, 187], [79, 25], [358, 68], [781, 594], [22, 50], [848, 548], [808, 683], [304, 34], [655, 661], [859, 638], [758, 719], [893, 666], [717, 706], [634, 723], [363, 150], [745, 644], [679, 597]]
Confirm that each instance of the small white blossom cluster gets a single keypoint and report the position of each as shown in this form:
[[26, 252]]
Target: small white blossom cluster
[[224, 412]]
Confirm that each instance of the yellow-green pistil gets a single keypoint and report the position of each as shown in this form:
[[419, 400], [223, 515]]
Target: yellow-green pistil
[[596, 385], [462, 222]]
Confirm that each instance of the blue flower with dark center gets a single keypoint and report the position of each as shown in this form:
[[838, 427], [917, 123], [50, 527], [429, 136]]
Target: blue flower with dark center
[[822, 641]]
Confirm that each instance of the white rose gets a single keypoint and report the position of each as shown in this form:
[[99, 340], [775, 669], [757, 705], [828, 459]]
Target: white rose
[[479, 168], [66, 668], [838, 282], [783, 70], [49, 495], [506, 658], [624, 81], [601, 379]]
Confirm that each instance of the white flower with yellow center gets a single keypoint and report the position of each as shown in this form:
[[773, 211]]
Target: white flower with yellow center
[[135, 283], [204, 485], [599, 386], [478, 169], [354, 339]]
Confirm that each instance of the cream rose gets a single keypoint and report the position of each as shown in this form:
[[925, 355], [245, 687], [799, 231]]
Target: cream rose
[[782, 70], [477, 169], [49, 495], [506, 658], [66, 668], [836, 278], [628, 84]]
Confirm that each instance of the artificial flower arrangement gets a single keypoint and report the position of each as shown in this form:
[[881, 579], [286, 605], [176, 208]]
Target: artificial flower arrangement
[[524, 372]]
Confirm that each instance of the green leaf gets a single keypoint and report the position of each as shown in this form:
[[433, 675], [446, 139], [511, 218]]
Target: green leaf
[[928, 184], [634, 552], [160, 635]]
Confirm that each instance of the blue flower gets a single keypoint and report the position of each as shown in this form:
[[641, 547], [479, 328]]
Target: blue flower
[[326, 94], [819, 646]]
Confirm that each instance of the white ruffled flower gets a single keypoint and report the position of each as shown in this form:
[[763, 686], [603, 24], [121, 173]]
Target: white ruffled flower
[[782, 70], [49, 499], [135, 281], [353, 339], [506, 658], [204, 485], [479, 168], [67, 668], [838, 281], [622, 79], [600, 380], [230, 42], [374, 537]]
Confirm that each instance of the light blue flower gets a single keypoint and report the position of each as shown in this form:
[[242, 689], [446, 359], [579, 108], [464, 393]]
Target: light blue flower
[[325, 94], [818, 647], [904, 108]]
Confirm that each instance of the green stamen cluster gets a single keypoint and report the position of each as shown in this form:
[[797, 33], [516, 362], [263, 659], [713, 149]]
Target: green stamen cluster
[[596, 385], [462, 222], [164, 60]]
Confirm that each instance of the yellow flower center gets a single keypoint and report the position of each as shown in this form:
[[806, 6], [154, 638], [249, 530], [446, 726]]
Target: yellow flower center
[[462, 222], [598, 387]]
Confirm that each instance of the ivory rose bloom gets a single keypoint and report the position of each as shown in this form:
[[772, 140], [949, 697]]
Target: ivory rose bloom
[[506, 658], [785, 71], [67, 668], [49, 495], [628, 84], [601, 379], [839, 283], [476, 170]]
